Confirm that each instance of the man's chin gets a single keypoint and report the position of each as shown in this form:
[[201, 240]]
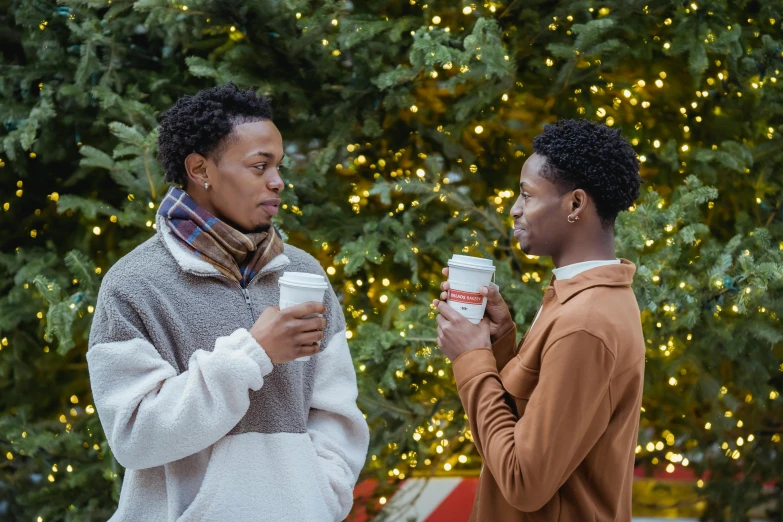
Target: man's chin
[[252, 228], [264, 227]]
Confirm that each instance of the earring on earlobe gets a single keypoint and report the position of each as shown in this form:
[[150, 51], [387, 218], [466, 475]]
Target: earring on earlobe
[[571, 219], [206, 185]]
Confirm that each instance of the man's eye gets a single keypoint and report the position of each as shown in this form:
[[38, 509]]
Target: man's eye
[[261, 166]]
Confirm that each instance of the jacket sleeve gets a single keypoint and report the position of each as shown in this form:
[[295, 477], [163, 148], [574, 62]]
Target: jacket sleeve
[[505, 348], [335, 423], [532, 456], [151, 414]]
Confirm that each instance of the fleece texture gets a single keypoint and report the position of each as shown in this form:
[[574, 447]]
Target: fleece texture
[[207, 427]]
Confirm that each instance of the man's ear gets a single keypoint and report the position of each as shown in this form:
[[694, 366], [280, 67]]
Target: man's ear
[[196, 167], [578, 202]]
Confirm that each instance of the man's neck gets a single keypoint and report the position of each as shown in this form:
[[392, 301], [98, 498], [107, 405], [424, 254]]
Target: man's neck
[[597, 248]]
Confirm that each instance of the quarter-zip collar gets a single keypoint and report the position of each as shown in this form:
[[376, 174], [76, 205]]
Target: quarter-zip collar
[[608, 275]]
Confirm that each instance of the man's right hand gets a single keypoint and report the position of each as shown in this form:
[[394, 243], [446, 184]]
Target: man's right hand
[[286, 335], [500, 320]]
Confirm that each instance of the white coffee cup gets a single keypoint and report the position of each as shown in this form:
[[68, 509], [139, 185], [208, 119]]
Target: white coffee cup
[[466, 275], [301, 287]]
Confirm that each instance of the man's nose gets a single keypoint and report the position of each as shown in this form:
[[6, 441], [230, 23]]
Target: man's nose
[[275, 182], [516, 210]]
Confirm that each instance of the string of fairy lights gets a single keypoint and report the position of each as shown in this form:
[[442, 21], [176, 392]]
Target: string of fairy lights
[[431, 439]]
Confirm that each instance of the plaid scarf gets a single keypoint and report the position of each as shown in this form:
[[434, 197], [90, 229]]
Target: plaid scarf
[[236, 255]]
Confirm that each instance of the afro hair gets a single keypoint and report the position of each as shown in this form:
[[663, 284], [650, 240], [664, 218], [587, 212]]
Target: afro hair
[[203, 123], [581, 154]]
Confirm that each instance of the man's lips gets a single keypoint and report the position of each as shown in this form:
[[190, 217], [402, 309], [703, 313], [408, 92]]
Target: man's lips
[[272, 206], [518, 231]]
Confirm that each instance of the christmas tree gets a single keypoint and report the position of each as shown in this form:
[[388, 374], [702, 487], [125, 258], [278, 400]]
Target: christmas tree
[[407, 124]]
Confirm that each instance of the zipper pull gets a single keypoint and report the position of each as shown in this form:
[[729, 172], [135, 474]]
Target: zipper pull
[[247, 296]]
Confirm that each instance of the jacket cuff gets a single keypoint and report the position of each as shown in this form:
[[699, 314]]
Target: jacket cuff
[[472, 363], [247, 344]]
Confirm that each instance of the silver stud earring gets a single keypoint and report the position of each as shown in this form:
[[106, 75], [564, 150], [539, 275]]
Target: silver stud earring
[[206, 185], [571, 219]]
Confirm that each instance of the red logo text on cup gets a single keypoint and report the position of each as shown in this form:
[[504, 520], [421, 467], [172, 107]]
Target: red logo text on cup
[[458, 296]]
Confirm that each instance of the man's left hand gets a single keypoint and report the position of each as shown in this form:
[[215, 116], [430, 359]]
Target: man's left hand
[[457, 335]]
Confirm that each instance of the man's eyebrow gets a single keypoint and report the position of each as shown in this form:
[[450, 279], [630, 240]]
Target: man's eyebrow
[[265, 154]]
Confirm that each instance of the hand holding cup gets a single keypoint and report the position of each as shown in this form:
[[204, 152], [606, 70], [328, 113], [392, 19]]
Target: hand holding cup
[[288, 334], [500, 320], [301, 287], [457, 334]]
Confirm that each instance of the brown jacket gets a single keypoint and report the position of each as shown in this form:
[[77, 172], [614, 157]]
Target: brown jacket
[[556, 423]]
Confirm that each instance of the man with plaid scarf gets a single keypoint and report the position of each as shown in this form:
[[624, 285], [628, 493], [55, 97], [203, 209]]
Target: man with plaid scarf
[[192, 363]]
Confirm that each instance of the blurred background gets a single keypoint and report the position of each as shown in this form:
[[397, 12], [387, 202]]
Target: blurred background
[[407, 123]]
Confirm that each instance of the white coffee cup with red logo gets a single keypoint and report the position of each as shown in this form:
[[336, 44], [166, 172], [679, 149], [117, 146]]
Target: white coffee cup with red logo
[[301, 287], [466, 275]]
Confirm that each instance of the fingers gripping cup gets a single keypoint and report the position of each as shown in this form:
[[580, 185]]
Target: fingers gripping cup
[[301, 287], [466, 275]]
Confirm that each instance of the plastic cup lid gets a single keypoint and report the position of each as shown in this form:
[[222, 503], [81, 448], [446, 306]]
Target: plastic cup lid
[[473, 263], [303, 280]]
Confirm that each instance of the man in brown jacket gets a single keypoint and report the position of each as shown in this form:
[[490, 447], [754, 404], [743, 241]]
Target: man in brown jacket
[[556, 419]]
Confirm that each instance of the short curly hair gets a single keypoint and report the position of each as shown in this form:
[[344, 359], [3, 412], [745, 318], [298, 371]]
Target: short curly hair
[[591, 156], [203, 123]]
